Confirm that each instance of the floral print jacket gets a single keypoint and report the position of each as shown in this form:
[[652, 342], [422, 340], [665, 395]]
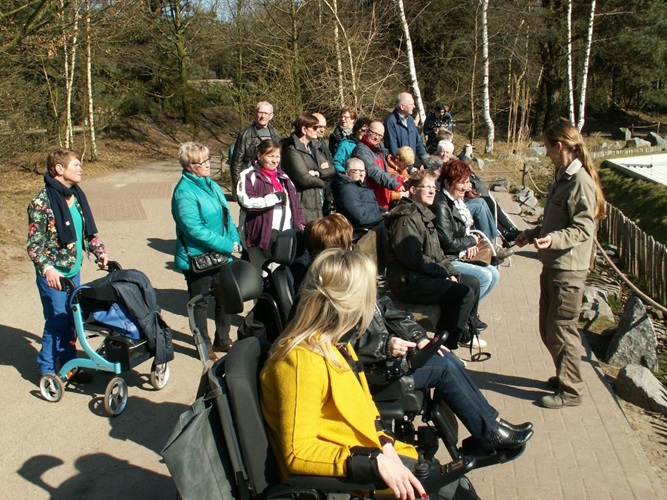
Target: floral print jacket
[[44, 247]]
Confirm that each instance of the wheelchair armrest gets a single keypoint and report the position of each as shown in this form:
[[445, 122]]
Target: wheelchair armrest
[[332, 483], [392, 410]]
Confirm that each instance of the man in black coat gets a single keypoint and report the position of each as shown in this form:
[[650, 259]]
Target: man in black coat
[[249, 138]]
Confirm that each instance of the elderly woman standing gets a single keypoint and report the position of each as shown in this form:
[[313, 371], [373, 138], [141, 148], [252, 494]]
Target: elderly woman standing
[[564, 243], [305, 165], [61, 229], [203, 224]]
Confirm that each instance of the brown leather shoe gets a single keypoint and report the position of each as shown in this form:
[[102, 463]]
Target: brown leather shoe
[[503, 253], [212, 355]]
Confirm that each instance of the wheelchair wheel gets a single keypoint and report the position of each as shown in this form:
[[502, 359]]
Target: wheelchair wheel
[[115, 396], [159, 375], [52, 388]]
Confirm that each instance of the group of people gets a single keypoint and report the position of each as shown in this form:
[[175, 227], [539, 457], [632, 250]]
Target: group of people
[[317, 404]]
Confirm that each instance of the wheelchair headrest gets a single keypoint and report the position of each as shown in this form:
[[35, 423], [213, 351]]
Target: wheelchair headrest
[[239, 281], [287, 247]]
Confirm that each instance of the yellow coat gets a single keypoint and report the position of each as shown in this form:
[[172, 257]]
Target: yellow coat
[[316, 413]]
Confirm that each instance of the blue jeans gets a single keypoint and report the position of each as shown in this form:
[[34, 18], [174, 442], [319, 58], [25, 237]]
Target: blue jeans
[[451, 381], [488, 276], [484, 219], [59, 336]]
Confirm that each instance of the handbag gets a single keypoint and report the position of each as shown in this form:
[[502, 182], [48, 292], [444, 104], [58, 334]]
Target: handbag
[[484, 255], [205, 262], [195, 452]]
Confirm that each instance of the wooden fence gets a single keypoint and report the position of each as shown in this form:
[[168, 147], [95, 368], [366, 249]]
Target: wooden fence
[[640, 255]]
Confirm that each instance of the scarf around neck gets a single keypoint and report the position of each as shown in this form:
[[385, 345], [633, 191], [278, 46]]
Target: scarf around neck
[[273, 177], [58, 193]]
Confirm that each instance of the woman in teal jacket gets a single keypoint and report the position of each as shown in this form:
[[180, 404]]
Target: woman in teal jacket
[[203, 224]]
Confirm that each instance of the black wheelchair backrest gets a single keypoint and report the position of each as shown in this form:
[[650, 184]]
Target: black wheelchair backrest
[[239, 281]]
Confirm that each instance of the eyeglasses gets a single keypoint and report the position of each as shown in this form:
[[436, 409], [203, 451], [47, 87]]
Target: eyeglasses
[[320, 127], [373, 133], [346, 117], [207, 160], [357, 171], [430, 188]]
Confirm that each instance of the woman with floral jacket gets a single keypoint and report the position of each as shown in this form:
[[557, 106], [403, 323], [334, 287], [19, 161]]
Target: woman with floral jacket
[[61, 228]]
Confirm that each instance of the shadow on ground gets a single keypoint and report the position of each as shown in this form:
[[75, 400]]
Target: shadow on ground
[[18, 351]]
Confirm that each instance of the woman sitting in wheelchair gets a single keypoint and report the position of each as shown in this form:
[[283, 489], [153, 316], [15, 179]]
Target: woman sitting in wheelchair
[[321, 417]]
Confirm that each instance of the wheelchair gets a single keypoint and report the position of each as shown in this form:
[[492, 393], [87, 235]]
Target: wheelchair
[[398, 402]]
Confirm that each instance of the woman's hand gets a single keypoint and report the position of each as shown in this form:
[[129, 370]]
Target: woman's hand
[[543, 243], [471, 252], [397, 476], [102, 261], [53, 278], [399, 347]]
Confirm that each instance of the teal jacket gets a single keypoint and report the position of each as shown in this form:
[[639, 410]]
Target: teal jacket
[[202, 218]]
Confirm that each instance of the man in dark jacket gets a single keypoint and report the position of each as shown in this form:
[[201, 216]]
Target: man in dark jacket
[[249, 138], [417, 269], [344, 128], [353, 198], [401, 130]]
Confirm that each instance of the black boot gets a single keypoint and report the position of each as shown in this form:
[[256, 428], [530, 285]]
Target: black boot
[[503, 438], [526, 426]]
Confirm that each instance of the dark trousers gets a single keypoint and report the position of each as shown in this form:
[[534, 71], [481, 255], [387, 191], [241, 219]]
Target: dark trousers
[[202, 284], [451, 381], [457, 300]]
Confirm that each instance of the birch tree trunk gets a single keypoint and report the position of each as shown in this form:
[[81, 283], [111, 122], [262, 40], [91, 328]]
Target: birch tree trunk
[[333, 7], [584, 73], [339, 60], [490, 127], [570, 72], [89, 85], [411, 62], [69, 51]]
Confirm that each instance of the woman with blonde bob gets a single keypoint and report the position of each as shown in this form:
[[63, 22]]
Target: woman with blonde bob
[[564, 243], [321, 417]]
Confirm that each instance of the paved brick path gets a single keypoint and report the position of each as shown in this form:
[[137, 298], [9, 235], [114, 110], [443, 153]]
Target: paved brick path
[[72, 450]]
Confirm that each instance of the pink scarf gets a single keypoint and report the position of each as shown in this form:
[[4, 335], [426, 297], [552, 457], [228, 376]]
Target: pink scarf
[[273, 177]]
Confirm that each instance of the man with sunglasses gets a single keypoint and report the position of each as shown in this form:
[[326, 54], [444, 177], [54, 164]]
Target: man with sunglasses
[[371, 151]]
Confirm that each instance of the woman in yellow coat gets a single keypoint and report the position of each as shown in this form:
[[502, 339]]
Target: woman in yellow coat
[[321, 417]]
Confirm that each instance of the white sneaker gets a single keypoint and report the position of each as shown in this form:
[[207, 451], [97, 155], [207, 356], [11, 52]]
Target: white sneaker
[[477, 343]]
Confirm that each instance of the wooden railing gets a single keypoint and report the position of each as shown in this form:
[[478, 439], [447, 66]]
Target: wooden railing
[[639, 254]]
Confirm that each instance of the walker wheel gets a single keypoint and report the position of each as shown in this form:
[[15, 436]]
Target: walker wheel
[[115, 397], [159, 375], [52, 388]]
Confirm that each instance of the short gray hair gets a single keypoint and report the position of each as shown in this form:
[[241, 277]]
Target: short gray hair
[[354, 162], [445, 145]]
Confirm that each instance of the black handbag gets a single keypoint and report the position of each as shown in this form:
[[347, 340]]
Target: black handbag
[[205, 262]]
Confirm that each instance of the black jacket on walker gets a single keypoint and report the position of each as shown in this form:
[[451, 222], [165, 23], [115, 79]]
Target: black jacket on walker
[[138, 295]]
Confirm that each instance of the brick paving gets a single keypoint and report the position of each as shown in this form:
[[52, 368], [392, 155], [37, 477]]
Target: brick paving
[[587, 452]]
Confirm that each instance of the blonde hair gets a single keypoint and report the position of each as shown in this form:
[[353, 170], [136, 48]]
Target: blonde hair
[[191, 152], [569, 136], [337, 295], [406, 155]]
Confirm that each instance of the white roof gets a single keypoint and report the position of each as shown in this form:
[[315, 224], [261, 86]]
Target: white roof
[[647, 167]]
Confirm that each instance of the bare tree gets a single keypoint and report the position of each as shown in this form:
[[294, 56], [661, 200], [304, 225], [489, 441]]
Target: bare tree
[[490, 127], [584, 73], [89, 87], [70, 43], [570, 72], [411, 61]]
